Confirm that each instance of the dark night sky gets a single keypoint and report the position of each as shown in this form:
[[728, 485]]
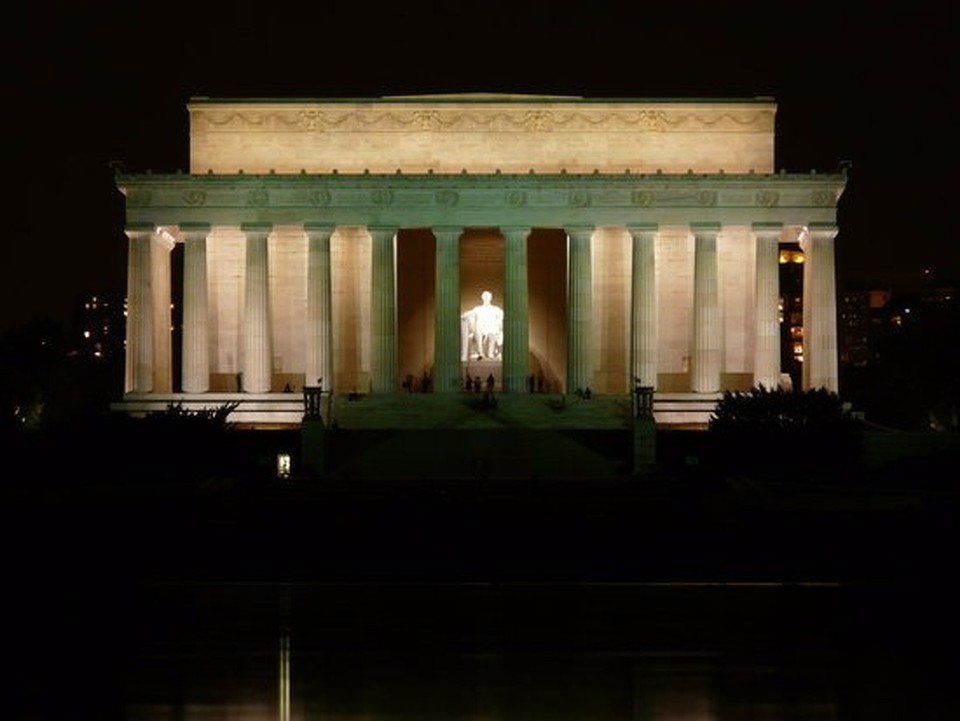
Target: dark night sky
[[91, 83]]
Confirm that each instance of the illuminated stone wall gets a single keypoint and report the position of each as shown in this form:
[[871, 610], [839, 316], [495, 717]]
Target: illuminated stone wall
[[611, 266], [481, 134], [350, 278], [416, 268], [287, 254], [547, 294], [225, 257], [737, 272]]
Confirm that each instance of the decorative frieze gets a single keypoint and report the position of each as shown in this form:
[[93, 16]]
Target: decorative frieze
[[480, 133], [481, 117], [528, 199]]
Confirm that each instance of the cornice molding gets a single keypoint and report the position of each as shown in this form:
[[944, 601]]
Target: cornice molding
[[495, 199]]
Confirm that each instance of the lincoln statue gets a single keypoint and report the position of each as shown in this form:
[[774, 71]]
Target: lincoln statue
[[482, 330]]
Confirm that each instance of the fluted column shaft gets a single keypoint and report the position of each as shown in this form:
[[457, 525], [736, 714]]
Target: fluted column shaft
[[383, 311], [160, 285], [820, 362], [319, 335], [446, 366], [257, 366], [139, 350], [643, 307], [707, 332], [516, 339], [195, 357], [579, 309], [766, 357]]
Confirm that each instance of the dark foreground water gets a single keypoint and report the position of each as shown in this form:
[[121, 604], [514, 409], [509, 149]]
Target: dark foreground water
[[492, 651], [309, 608]]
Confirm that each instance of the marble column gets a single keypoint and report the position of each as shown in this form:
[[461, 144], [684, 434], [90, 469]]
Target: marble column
[[643, 307], [579, 309], [766, 357], [257, 363], [139, 350], [820, 361], [707, 350], [319, 334], [446, 365], [161, 246], [383, 311], [516, 330], [195, 355]]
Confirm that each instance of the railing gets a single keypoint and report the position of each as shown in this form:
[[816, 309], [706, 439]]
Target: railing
[[312, 402]]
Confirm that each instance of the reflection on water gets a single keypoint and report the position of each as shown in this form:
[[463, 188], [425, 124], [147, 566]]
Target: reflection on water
[[650, 652]]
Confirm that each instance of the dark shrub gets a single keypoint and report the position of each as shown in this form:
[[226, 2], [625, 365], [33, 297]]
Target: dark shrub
[[787, 434]]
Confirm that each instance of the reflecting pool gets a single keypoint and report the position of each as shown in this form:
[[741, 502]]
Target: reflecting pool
[[631, 651]]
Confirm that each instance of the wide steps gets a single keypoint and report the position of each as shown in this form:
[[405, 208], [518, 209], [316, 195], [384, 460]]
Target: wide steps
[[474, 411]]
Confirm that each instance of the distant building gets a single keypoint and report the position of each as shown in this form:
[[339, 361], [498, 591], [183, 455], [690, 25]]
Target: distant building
[[625, 241], [860, 317], [791, 313], [99, 326]]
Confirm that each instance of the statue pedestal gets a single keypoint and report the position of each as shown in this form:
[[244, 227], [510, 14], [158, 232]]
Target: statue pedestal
[[482, 369]]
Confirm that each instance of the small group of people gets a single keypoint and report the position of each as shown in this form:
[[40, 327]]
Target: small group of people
[[410, 383], [472, 384]]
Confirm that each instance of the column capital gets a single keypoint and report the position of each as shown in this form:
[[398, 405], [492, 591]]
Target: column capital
[[319, 228], [194, 227], [817, 231], [381, 230], [705, 228], [768, 230], [643, 230], [439, 230], [256, 228], [139, 229], [822, 230], [515, 230], [580, 231]]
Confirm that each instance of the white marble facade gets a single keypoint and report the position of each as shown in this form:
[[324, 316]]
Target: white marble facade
[[333, 243]]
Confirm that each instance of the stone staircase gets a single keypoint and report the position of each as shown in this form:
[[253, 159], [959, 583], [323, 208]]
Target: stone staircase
[[475, 411], [536, 411], [434, 410], [474, 437], [684, 409]]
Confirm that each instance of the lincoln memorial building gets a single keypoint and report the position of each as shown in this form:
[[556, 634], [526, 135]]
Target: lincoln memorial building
[[519, 246]]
